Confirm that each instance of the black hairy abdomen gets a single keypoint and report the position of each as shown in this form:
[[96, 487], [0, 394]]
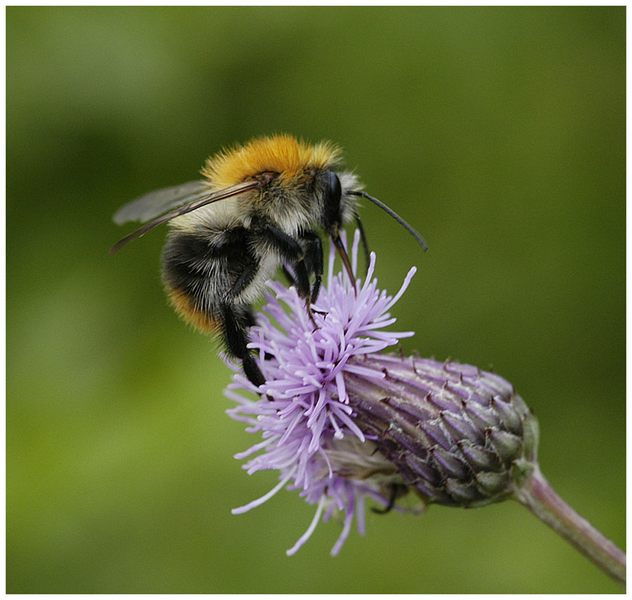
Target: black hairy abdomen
[[205, 267]]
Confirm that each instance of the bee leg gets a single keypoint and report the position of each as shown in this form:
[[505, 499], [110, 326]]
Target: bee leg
[[243, 281], [314, 260], [236, 339], [292, 252], [289, 276], [396, 490], [303, 287], [252, 371], [292, 281], [250, 321], [249, 317], [237, 325]]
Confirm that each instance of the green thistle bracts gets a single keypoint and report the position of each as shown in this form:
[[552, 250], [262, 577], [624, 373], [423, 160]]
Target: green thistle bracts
[[457, 435]]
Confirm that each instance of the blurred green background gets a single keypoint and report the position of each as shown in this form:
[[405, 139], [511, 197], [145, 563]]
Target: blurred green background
[[498, 132]]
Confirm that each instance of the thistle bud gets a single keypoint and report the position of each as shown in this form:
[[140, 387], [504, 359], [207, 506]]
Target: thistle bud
[[341, 422], [458, 436]]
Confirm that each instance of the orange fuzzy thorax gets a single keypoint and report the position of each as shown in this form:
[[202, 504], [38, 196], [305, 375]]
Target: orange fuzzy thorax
[[283, 154]]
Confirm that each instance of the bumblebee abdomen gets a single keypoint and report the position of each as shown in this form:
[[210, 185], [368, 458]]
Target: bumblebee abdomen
[[206, 321], [203, 272]]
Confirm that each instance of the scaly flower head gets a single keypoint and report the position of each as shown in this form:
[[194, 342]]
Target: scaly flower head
[[339, 421]]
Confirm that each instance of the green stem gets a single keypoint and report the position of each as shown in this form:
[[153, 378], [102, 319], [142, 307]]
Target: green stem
[[538, 496]]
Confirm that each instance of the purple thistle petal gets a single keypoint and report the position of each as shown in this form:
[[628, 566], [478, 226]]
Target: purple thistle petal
[[345, 529], [360, 515], [253, 449], [306, 424], [296, 547], [264, 498]]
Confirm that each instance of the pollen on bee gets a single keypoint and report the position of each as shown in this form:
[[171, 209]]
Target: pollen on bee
[[283, 154], [185, 308]]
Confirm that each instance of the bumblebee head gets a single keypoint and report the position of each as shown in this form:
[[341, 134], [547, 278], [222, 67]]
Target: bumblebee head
[[337, 207]]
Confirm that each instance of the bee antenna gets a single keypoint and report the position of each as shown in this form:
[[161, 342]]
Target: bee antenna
[[392, 213]]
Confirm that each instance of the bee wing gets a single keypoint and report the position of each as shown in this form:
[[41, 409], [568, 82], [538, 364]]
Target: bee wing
[[155, 203], [191, 203]]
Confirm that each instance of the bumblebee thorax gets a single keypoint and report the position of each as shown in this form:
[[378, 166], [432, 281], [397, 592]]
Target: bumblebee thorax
[[290, 159]]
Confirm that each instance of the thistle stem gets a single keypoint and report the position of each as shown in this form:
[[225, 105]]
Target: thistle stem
[[539, 497]]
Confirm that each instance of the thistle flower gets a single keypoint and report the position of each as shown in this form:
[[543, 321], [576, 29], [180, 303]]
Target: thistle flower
[[340, 421]]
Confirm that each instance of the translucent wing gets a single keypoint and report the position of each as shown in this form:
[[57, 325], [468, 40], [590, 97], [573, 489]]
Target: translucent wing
[[155, 203], [182, 207]]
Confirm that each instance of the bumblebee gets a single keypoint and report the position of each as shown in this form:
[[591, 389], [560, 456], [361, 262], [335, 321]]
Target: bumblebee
[[257, 208]]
